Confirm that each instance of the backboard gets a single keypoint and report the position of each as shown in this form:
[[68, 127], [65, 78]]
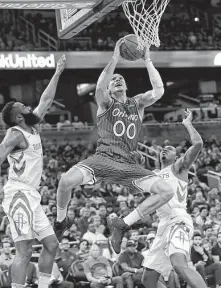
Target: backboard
[[71, 16], [72, 21], [46, 4]]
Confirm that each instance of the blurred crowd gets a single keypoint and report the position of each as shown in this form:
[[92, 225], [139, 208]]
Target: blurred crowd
[[87, 240], [181, 28]]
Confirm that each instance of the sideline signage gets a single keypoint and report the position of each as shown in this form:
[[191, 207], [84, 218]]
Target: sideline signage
[[47, 4], [98, 60], [27, 61]]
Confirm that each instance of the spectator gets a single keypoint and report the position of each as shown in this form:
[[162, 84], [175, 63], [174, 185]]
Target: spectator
[[77, 124], [200, 201], [6, 258], [140, 243], [91, 235], [63, 123], [208, 231], [216, 249], [100, 228], [203, 261], [150, 238], [83, 221], [131, 264], [83, 252], [98, 270], [201, 218], [71, 214], [211, 218], [67, 257], [102, 211]]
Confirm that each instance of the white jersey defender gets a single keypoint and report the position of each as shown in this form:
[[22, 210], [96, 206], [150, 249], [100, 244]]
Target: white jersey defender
[[175, 228], [26, 166], [21, 198]]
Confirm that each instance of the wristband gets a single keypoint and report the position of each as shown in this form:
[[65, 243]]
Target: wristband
[[135, 270]]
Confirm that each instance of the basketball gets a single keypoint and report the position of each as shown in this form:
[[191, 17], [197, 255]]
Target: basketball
[[128, 49]]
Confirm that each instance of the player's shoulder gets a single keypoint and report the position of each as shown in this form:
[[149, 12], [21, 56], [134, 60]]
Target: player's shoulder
[[14, 133], [13, 138]]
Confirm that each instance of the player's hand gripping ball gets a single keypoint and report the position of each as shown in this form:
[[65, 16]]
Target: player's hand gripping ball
[[129, 48]]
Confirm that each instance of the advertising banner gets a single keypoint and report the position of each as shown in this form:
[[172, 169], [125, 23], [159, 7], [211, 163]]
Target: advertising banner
[[93, 60]]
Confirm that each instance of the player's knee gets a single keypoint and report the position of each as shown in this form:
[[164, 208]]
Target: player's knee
[[179, 262], [24, 254], [179, 267], [164, 189], [52, 247], [71, 178]]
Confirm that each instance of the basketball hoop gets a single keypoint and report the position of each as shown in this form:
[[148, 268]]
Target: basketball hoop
[[145, 20]]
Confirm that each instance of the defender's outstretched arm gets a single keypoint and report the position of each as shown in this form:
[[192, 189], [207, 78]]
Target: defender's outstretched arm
[[49, 93], [191, 154]]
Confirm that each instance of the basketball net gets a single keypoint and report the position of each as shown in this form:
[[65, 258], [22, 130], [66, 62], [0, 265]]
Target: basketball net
[[145, 20]]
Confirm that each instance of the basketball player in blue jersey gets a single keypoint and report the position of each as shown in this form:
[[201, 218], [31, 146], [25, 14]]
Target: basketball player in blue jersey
[[119, 120], [22, 146], [171, 247]]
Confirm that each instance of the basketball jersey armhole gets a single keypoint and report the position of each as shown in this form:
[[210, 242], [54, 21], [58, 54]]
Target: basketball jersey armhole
[[21, 149], [173, 171], [112, 103]]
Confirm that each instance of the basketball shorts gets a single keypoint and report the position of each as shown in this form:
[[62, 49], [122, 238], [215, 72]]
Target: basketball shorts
[[99, 167], [26, 216], [173, 236]]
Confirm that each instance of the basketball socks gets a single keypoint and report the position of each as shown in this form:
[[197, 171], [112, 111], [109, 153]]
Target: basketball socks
[[133, 217], [14, 285], [44, 280], [61, 213]]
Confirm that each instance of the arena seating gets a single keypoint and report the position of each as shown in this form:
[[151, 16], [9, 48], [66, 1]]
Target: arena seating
[[183, 27]]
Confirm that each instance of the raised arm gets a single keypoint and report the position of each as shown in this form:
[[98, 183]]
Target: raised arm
[[49, 93], [102, 95], [191, 154], [150, 97]]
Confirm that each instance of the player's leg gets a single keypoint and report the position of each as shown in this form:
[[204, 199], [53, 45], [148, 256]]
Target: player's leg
[[46, 260], [156, 263], [72, 178], [191, 276], [178, 249], [50, 244], [19, 209], [69, 180], [150, 278], [20, 263], [161, 193]]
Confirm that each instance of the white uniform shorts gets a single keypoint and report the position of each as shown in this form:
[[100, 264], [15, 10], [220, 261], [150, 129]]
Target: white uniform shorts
[[173, 236], [26, 216]]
